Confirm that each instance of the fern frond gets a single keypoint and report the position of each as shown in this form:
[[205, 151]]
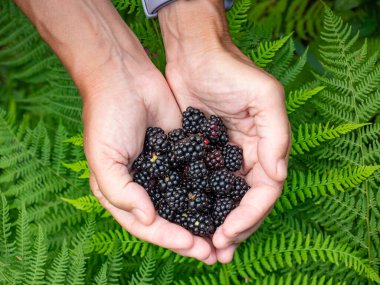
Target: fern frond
[[266, 51], [79, 166], [294, 70], [126, 6], [76, 140], [237, 16], [115, 265], [6, 246], [297, 98], [311, 136], [279, 252], [88, 204], [145, 276], [23, 239], [35, 273], [299, 186], [57, 273], [166, 275], [76, 272], [101, 277]]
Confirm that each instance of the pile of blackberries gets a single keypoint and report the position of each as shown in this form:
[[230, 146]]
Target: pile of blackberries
[[189, 173]]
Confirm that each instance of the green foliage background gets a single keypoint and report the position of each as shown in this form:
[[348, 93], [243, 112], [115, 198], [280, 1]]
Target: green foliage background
[[323, 230]]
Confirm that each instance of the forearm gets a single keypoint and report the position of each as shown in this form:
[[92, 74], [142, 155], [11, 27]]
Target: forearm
[[193, 27], [87, 36]]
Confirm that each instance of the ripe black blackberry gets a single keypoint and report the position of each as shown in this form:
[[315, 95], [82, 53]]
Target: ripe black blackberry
[[240, 188], [215, 130], [214, 160], [176, 135], [177, 198], [158, 142], [221, 209], [221, 182], [192, 120], [156, 196], [145, 179], [157, 163], [233, 157], [170, 180], [190, 149], [166, 212], [197, 169], [197, 184], [198, 201], [140, 163], [199, 224]]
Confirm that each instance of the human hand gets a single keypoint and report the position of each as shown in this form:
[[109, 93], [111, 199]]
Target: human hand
[[205, 70]]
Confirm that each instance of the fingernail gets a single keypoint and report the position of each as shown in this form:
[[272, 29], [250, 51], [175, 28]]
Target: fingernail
[[140, 215], [282, 169]]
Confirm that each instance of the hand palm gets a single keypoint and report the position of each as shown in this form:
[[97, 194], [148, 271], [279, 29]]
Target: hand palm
[[243, 95]]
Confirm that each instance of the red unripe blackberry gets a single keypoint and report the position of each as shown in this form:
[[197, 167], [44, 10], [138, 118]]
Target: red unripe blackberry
[[221, 182], [240, 188], [233, 157], [221, 209], [214, 160], [192, 120]]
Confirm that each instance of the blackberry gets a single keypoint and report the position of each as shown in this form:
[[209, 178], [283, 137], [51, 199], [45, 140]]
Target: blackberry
[[140, 163], [176, 198], [145, 179], [239, 190], [221, 209], [157, 142], [215, 130], [192, 120], [176, 135], [214, 159], [157, 163], [233, 157], [199, 184], [171, 180], [221, 182], [198, 201], [197, 169], [198, 223], [156, 196], [166, 212], [190, 149]]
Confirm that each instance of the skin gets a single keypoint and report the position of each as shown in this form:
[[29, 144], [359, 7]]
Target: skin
[[123, 93]]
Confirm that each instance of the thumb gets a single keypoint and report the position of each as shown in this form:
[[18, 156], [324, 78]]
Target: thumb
[[118, 188], [273, 130]]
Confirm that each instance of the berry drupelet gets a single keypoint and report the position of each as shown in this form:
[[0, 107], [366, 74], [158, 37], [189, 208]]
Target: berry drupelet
[[233, 157]]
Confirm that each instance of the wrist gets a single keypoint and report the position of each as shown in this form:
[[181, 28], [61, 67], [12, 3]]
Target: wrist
[[192, 28]]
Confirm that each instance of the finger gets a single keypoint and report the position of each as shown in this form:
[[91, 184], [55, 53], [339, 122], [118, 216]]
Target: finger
[[254, 206], [115, 183], [226, 255], [221, 241], [202, 250], [273, 128]]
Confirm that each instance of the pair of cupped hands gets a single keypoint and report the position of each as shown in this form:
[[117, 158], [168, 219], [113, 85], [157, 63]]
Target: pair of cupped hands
[[221, 81]]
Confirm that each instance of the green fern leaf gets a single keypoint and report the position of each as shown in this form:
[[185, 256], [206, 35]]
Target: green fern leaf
[[237, 17], [6, 246], [145, 276], [166, 275], [293, 71], [23, 239], [57, 273], [89, 204], [35, 273], [297, 98], [80, 166], [76, 140], [299, 187], [115, 265], [101, 277], [266, 51]]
